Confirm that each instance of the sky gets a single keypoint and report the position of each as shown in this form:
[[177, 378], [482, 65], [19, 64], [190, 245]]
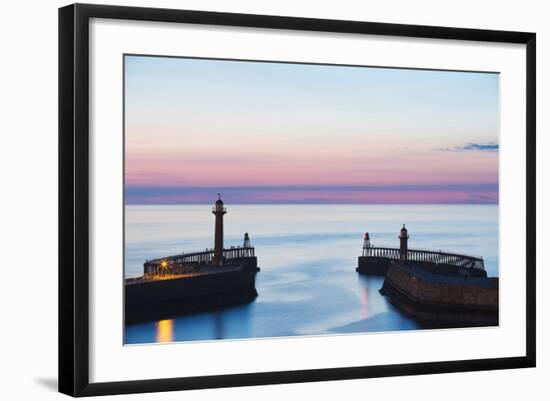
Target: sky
[[261, 132]]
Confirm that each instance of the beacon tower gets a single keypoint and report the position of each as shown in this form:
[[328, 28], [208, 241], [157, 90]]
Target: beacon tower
[[366, 245], [403, 237], [246, 241], [218, 211]]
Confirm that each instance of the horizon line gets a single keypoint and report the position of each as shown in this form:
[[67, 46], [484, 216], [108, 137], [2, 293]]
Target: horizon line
[[267, 203], [472, 193]]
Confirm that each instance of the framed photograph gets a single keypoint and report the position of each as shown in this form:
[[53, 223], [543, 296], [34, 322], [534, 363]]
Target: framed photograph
[[251, 199]]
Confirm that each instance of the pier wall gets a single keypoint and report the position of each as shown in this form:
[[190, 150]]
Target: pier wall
[[248, 262], [373, 265], [158, 299], [442, 293]]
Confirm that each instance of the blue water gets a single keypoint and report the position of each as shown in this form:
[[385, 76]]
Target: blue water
[[307, 254]]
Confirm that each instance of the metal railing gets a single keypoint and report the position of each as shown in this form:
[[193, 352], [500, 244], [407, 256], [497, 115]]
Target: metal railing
[[416, 255], [203, 256], [157, 276]]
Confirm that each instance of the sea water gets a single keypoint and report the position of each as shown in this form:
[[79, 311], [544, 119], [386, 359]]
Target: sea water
[[307, 254]]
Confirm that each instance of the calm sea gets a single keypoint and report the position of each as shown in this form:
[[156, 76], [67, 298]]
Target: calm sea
[[307, 254]]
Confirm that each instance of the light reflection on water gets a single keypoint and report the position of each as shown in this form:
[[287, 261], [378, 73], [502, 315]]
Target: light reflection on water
[[308, 254], [165, 331]]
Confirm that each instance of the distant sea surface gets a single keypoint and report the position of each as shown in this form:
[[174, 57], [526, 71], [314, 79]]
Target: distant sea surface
[[307, 254]]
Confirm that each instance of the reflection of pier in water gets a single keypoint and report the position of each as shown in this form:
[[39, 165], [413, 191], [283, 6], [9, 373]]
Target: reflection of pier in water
[[165, 331]]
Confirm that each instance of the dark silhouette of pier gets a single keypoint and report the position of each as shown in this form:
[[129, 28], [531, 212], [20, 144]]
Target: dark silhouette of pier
[[376, 260], [191, 282], [441, 289]]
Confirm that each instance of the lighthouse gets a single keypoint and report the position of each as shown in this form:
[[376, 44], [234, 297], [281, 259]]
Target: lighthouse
[[366, 245], [403, 237], [246, 241], [218, 211]]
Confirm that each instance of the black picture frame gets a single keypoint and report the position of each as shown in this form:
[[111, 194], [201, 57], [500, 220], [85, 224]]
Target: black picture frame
[[74, 192]]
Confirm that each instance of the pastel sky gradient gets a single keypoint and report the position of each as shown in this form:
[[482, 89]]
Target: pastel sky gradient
[[264, 132]]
